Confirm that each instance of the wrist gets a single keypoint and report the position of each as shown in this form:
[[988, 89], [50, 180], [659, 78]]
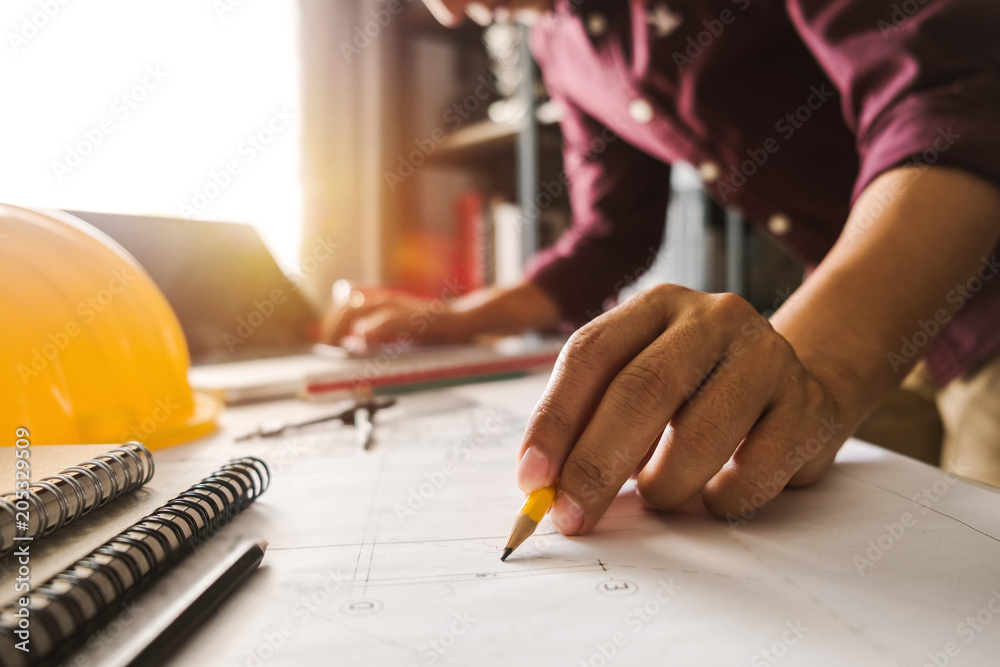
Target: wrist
[[505, 310], [460, 324], [838, 373], [843, 387]]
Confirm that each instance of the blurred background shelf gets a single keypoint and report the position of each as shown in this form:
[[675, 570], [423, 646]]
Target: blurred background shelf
[[455, 182]]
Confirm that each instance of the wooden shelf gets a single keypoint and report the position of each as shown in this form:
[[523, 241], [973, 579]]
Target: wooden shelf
[[484, 134]]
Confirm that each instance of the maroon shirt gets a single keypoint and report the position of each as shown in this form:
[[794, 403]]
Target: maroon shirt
[[789, 108]]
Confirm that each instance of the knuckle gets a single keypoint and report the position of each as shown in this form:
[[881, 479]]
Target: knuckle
[[697, 429], [656, 495], [773, 345], [549, 421], [813, 471], [585, 479], [808, 394], [722, 505], [640, 386], [589, 342], [731, 306], [687, 461], [814, 396], [760, 484], [587, 349], [747, 488], [665, 291]]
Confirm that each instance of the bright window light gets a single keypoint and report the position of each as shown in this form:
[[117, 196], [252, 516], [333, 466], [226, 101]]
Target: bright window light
[[187, 108]]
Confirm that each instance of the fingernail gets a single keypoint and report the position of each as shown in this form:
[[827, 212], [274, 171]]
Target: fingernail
[[533, 470], [566, 515]]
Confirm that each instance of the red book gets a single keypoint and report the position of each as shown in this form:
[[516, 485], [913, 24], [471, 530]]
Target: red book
[[469, 260]]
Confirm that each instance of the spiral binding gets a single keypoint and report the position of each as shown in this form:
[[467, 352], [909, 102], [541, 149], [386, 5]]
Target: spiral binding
[[62, 499], [72, 604]]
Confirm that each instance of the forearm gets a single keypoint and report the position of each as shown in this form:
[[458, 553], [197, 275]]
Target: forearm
[[509, 310], [913, 235]]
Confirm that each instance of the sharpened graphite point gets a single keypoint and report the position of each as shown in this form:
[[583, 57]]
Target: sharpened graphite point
[[506, 552]]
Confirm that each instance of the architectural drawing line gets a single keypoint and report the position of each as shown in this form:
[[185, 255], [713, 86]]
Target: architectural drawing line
[[826, 608], [911, 500]]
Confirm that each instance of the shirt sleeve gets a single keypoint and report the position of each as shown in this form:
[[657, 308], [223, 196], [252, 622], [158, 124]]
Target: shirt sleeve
[[919, 80], [619, 197]]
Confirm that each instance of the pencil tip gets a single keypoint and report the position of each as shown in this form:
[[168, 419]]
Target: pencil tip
[[506, 552]]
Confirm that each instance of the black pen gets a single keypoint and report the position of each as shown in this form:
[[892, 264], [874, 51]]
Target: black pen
[[154, 643]]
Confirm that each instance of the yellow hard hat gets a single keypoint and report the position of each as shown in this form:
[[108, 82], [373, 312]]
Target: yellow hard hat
[[90, 351]]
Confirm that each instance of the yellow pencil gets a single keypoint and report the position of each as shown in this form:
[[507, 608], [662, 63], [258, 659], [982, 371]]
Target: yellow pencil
[[534, 508]]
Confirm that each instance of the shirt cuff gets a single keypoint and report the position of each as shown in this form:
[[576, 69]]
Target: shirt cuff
[[927, 131]]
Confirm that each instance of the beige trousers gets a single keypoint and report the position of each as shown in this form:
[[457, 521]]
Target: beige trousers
[[956, 427]]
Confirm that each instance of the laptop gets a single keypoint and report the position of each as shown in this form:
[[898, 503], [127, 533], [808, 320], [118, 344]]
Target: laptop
[[249, 329]]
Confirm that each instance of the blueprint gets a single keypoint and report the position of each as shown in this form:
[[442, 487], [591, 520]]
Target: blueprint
[[392, 557]]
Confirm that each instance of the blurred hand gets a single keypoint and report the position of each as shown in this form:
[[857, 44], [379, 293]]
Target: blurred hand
[[368, 318], [362, 319], [700, 381]]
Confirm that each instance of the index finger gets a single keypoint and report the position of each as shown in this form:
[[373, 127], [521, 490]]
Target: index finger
[[337, 320], [588, 364]]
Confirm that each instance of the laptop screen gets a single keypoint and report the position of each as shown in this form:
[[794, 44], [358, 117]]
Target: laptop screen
[[230, 295]]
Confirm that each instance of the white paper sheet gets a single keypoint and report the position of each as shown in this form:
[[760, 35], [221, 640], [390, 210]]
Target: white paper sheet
[[391, 557]]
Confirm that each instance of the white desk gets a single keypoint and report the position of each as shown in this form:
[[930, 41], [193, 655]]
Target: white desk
[[391, 557]]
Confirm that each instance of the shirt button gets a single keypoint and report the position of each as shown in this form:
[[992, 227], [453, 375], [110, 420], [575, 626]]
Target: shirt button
[[662, 20], [779, 224], [597, 24], [641, 111], [709, 172]]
